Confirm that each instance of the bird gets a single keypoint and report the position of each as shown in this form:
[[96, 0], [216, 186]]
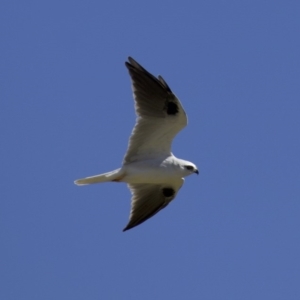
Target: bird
[[153, 174]]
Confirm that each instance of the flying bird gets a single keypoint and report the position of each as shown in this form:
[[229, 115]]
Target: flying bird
[[153, 174]]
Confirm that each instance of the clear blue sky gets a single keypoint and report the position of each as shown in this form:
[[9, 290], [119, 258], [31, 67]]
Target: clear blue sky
[[66, 112]]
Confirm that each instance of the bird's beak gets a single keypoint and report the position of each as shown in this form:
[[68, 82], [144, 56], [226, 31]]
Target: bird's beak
[[197, 172]]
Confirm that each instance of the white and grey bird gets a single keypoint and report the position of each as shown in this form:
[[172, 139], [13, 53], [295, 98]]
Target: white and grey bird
[[153, 174]]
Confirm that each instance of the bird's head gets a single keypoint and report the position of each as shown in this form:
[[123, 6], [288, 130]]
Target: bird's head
[[188, 168]]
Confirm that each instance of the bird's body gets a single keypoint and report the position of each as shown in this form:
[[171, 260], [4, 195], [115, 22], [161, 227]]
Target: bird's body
[[153, 171], [153, 174]]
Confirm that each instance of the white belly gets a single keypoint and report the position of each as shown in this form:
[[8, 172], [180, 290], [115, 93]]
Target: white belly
[[150, 173]]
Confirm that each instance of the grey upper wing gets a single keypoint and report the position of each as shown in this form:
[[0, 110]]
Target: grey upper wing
[[149, 199], [160, 115]]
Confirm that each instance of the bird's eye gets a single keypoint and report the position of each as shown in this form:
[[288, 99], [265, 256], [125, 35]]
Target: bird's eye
[[190, 168]]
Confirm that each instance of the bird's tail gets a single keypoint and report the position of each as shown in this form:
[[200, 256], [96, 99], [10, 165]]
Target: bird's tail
[[115, 175]]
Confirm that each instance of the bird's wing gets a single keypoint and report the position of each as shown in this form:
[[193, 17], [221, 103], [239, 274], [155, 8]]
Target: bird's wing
[[160, 115], [149, 199]]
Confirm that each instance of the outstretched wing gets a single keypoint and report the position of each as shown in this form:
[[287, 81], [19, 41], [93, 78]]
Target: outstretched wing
[[160, 115], [148, 199]]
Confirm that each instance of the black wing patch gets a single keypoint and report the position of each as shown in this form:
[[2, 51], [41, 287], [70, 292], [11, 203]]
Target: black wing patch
[[151, 94], [152, 202], [171, 108], [168, 192]]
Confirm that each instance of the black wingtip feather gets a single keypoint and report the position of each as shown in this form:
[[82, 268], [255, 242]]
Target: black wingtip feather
[[133, 66]]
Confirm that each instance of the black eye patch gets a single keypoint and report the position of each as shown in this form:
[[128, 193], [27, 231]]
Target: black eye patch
[[190, 168]]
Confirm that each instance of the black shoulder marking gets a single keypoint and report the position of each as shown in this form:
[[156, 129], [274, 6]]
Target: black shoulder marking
[[171, 108], [168, 192]]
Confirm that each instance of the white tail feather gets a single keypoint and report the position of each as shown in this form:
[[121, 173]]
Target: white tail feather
[[105, 177]]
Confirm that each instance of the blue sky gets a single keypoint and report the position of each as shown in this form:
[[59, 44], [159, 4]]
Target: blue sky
[[66, 112]]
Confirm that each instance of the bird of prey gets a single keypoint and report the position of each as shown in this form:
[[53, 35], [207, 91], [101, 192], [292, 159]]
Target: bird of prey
[[153, 174]]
